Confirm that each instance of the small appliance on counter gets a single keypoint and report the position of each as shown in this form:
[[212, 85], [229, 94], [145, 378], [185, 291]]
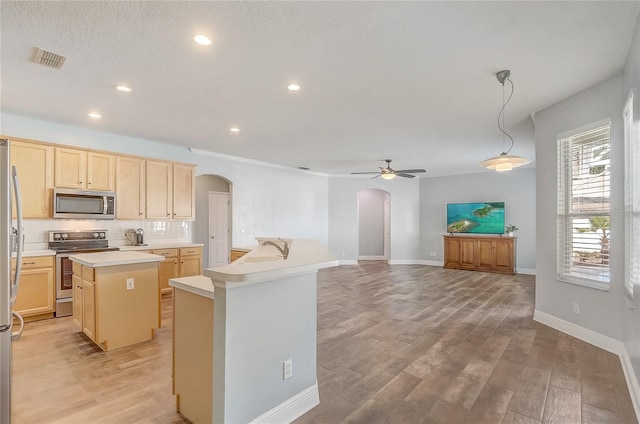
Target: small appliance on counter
[[135, 237]]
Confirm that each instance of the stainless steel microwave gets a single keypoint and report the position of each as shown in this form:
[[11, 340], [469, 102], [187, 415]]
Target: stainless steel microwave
[[83, 204]]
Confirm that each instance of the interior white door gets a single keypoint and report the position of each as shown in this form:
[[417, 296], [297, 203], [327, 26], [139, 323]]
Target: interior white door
[[218, 228]]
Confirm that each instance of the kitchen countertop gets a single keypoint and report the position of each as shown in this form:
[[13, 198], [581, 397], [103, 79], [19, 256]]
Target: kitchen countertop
[[159, 246], [196, 284], [34, 253], [102, 259], [265, 263]]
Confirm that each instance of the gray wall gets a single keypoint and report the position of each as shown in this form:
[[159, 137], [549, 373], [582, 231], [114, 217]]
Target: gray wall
[[631, 316], [371, 222], [516, 188], [343, 215], [600, 311], [205, 184], [268, 200]]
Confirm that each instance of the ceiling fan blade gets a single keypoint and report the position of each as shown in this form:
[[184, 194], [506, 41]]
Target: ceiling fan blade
[[374, 172], [412, 171], [399, 174], [375, 176]]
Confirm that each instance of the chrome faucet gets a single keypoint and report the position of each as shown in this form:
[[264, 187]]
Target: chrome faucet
[[283, 250]]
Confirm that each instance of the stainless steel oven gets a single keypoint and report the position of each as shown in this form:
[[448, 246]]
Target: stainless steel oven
[[66, 243]]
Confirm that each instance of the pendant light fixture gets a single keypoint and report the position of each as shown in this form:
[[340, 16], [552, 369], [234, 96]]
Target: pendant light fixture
[[504, 161]]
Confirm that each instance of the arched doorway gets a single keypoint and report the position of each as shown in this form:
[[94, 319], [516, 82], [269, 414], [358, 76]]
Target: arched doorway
[[374, 230]]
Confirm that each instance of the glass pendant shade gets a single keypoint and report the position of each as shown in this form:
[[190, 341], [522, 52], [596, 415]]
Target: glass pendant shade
[[504, 162], [389, 176]]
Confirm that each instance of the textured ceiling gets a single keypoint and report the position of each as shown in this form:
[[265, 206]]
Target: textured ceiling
[[410, 81]]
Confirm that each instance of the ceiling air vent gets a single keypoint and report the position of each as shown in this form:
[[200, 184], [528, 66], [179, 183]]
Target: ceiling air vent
[[49, 59]]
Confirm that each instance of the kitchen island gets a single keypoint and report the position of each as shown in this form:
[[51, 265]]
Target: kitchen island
[[115, 297], [262, 338]]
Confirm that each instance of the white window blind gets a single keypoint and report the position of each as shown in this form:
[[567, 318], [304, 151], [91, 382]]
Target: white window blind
[[631, 200], [584, 207]]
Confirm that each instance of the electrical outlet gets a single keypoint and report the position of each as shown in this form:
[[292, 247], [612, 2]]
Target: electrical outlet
[[287, 369], [130, 284], [433, 253], [576, 308]]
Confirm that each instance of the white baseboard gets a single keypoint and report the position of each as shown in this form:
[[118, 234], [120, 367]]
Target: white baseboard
[[601, 341], [405, 262], [528, 271], [372, 258], [347, 262], [292, 408]]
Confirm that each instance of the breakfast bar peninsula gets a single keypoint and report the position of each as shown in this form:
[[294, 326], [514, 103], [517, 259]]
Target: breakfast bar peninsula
[[254, 322], [115, 297]]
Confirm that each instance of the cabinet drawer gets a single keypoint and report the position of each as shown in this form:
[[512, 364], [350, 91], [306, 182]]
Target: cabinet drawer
[[88, 273], [188, 251], [165, 252], [35, 262]]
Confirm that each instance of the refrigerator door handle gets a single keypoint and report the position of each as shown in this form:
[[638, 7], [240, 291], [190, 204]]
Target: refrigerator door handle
[[19, 237], [17, 334]]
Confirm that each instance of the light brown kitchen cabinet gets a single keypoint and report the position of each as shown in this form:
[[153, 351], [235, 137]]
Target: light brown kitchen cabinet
[[184, 192], [36, 294], [168, 269], [78, 302], [112, 315], [34, 163], [85, 170], [236, 254], [190, 261], [487, 254], [159, 188], [130, 188]]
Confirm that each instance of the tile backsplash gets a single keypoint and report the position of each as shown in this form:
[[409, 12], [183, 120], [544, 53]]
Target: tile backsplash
[[155, 232]]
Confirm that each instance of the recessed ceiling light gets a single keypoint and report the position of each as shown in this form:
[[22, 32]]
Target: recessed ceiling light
[[123, 88], [202, 39], [95, 115], [234, 129], [293, 87]]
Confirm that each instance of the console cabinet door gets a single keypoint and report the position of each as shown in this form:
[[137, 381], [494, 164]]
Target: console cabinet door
[[486, 255], [504, 256], [467, 254]]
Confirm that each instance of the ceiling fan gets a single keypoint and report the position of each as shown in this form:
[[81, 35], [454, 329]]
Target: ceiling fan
[[389, 173]]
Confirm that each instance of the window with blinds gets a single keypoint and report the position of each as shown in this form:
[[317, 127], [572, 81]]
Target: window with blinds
[[631, 200], [584, 209]]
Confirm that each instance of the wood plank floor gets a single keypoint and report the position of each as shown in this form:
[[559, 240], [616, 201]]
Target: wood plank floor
[[396, 344]]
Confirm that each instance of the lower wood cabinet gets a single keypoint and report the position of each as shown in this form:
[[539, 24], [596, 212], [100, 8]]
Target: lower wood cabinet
[[236, 254], [487, 254], [190, 261], [36, 297]]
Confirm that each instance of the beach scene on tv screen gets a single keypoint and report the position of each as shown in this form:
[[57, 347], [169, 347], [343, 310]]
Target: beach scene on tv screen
[[481, 218]]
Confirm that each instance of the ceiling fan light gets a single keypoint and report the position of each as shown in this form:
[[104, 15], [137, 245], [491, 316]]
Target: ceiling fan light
[[388, 176]]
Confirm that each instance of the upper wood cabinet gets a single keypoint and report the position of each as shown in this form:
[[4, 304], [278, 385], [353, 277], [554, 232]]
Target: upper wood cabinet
[[80, 169], [159, 190], [34, 163], [130, 188], [184, 192], [170, 191]]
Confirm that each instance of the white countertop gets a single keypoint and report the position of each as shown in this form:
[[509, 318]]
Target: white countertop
[[265, 263], [101, 259], [196, 284], [34, 253], [159, 246]]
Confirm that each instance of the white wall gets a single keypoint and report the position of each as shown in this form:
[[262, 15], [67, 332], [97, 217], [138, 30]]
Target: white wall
[[600, 311], [371, 223], [405, 212], [631, 315], [516, 188], [268, 200]]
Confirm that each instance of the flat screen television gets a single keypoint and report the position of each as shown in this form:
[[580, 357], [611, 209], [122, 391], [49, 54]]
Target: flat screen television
[[477, 218]]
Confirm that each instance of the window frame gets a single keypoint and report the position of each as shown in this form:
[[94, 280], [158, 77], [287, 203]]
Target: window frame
[[631, 197], [564, 231]]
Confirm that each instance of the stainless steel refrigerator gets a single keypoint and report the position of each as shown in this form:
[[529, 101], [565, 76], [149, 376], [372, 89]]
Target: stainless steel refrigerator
[[11, 240]]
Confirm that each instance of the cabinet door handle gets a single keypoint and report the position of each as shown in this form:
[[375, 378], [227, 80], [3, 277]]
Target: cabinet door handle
[[80, 287], [28, 263]]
